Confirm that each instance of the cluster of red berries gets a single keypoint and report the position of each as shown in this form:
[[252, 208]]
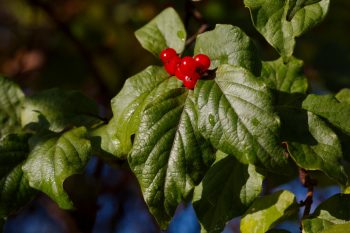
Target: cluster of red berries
[[188, 69]]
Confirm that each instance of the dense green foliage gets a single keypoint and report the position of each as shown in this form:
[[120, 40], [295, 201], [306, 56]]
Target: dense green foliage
[[245, 121]]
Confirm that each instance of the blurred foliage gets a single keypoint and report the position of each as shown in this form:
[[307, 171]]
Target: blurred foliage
[[90, 46], [36, 52]]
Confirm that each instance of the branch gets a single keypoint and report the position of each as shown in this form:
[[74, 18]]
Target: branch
[[308, 183], [84, 52], [193, 12]]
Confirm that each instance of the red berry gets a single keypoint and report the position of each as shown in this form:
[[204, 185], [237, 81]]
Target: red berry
[[179, 74], [172, 65], [191, 80], [202, 62], [167, 54], [188, 65]]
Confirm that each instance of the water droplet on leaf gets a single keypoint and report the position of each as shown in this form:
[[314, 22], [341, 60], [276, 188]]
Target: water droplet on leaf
[[181, 35]]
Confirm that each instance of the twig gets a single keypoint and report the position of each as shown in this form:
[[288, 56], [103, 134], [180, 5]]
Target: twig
[[85, 53], [193, 12], [308, 183]]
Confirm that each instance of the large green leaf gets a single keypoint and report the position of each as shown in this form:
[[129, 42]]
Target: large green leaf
[[328, 107], [165, 30], [169, 157], [286, 77], [53, 159], [227, 44], [334, 210], [343, 96], [227, 190], [267, 211], [128, 105], [283, 20], [236, 115], [11, 98], [14, 188], [338, 228], [311, 143], [57, 110]]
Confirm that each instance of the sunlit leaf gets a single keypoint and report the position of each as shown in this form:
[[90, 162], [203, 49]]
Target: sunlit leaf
[[328, 107], [127, 106], [165, 30], [57, 110], [267, 211], [227, 190], [237, 116], [53, 159], [334, 210], [227, 44], [286, 77], [169, 156], [281, 21], [312, 143]]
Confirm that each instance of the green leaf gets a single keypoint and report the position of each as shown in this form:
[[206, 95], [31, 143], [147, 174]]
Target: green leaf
[[286, 77], [343, 96], [57, 110], [311, 143], [127, 106], [334, 210], [11, 98], [227, 190], [280, 22], [339, 228], [236, 115], [267, 211], [14, 188], [53, 159], [15, 191], [169, 156], [165, 30], [328, 107], [227, 44]]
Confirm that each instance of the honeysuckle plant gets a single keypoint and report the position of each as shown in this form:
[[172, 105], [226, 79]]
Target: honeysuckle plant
[[243, 121]]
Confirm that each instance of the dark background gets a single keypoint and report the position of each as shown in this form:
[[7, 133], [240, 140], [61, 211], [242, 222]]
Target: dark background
[[89, 45]]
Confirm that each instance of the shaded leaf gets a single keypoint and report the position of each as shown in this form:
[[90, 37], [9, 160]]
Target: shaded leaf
[[334, 210], [165, 30], [11, 98], [281, 21], [14, 188], [286, 77], [311, 143], [236, 115], [328, 107], [227, 190], [227, 44], [53, 159], [169, 156], [127, 106], [57, 110], [267, 211]]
